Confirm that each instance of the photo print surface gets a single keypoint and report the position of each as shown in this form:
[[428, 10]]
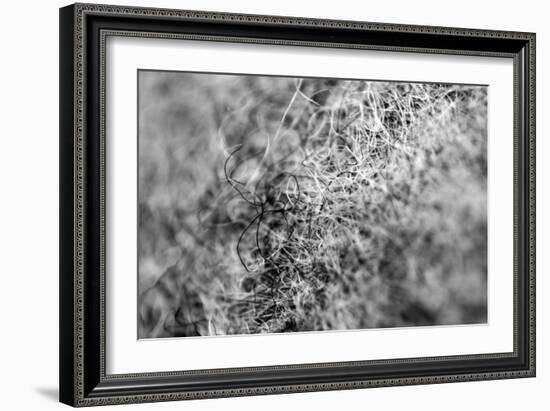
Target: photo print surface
[[279, 204]]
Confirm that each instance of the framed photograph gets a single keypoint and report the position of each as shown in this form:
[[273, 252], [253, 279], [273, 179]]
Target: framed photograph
[[260, 204]]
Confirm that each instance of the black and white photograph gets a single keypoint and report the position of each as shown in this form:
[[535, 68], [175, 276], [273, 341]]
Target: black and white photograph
[[286, 204], [255, 201]]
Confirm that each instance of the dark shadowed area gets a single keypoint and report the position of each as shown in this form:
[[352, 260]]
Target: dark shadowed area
[[271, 204]]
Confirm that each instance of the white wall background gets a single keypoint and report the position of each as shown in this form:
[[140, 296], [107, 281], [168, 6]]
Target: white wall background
[[29, 204]]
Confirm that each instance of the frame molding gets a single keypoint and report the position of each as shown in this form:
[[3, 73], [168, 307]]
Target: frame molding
[[83, 32]]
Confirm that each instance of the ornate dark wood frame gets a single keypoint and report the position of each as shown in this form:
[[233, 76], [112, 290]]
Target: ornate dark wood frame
[[83, 31]]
